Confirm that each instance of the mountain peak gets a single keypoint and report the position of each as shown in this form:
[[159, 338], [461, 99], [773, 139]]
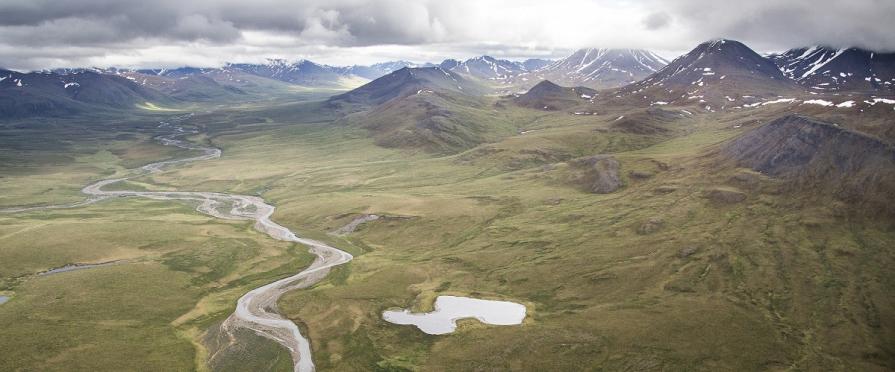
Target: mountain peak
[[602, 68], [713, 72], [487, 67], [547, 95], [545, 85], [409, 81]]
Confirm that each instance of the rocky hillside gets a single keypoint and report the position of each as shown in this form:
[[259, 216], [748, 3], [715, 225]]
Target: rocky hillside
[[816, 155]]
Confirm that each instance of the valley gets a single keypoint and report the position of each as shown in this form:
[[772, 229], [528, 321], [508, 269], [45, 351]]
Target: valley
[[713, 214]]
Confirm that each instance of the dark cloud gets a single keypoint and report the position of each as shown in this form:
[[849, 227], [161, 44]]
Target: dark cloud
[[338, 22], [773, 24], [656, 21], [36, 32]]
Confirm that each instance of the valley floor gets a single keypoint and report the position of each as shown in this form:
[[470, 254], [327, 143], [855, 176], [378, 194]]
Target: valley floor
[[663, 274]]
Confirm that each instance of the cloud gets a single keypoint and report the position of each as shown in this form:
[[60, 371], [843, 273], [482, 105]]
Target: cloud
[[656, 21], [48, 33], [772, 24]]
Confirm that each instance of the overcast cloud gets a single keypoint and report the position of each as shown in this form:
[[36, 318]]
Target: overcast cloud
[[36, 34]]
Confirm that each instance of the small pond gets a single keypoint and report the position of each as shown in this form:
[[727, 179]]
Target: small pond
[[449, 309]]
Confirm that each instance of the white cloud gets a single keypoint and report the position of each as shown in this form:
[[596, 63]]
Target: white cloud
[[139, 33]]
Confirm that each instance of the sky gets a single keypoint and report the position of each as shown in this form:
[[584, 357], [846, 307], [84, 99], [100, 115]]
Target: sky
[[40, 34]]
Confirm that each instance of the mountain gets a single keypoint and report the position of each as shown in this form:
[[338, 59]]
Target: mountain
[[716, 72], [817, 155], [428, 108], [171, 73], [548, 96], [188, 86], [599, 68], [533, 64], [54, 94], [823, 69], [303, 72], [449, 64], [378, 70], [409, 81], [489, 68]]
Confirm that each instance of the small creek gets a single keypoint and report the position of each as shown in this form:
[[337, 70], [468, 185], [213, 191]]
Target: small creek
[[75, 267]]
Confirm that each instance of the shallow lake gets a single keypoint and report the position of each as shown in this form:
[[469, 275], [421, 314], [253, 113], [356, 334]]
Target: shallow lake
[[3, 299], [448, 309]]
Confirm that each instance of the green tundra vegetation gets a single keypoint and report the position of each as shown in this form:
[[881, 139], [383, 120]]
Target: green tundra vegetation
[[691, 262]]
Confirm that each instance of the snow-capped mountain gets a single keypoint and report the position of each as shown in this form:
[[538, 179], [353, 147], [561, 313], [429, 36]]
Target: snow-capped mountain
[[489, 68], [302, 72], [599, 68], [823, 69], [715, 71]]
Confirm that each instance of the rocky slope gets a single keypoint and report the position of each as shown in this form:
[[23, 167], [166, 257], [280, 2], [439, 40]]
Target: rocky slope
[[816, 155]]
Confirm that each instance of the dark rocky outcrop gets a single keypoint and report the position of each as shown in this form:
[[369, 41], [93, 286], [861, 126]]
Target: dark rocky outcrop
[[819, 156], [599, 174]]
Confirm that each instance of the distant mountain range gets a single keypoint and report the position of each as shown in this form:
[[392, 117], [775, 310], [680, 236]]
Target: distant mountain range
[[599, 68], [718, 73]]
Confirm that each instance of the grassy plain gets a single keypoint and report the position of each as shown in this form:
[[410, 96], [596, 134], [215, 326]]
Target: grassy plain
[[778, 281], [656, 276]]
